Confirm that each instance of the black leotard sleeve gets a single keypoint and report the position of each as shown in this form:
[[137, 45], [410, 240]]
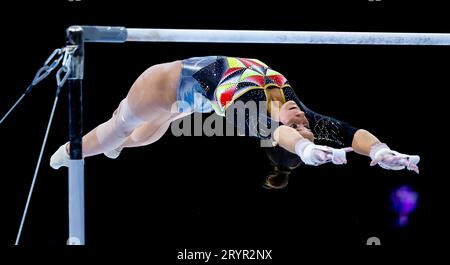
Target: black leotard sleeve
[[326, 129]]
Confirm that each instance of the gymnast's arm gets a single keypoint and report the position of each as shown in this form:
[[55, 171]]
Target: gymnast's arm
[[310, 153], [362, 141], [361, 144], [342, 134]]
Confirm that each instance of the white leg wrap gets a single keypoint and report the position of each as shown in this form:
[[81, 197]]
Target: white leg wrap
[[114, 153], [114, 132]]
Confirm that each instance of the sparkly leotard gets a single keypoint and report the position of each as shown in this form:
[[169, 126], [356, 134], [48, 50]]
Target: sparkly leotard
[[222, 80], [216, 82]]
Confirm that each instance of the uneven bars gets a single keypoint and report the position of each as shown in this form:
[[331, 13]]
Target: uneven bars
[[78, 35], [122, 34]]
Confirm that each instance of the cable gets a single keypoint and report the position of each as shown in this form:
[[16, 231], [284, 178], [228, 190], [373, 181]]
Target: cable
[[37, 166], [50, 64], [61, 77], [15, 104]]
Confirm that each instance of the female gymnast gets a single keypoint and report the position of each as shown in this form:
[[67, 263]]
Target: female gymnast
[[169, 91]]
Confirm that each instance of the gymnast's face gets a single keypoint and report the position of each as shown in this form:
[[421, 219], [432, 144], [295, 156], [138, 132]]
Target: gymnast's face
[[291, 115]]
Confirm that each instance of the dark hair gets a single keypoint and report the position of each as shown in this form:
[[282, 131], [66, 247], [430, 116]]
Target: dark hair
[[276, 179], [283, 162]]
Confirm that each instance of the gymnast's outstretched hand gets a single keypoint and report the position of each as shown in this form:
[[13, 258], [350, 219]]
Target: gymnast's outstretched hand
[[386, 158], [315, 155]]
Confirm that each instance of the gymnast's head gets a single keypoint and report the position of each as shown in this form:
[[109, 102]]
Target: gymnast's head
[[290, 114], [282, 106]]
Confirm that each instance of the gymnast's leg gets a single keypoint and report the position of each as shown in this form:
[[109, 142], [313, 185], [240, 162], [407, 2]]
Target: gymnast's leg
[[107, 136], [147, 133], [149, 100]]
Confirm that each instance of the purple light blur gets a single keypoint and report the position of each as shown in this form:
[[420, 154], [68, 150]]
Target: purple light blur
[[404, 202]]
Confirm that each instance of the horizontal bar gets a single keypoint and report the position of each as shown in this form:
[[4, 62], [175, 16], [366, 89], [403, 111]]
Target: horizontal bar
[[287, 37], [104, 34], [121, 34]]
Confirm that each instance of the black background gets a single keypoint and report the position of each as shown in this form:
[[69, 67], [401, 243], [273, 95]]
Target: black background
[[204, 193]]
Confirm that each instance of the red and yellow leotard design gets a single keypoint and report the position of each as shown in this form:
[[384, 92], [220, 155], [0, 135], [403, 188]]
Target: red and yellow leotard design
[[227, 78]]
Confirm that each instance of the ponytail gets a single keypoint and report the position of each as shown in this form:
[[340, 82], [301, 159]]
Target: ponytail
[[283, 162]]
